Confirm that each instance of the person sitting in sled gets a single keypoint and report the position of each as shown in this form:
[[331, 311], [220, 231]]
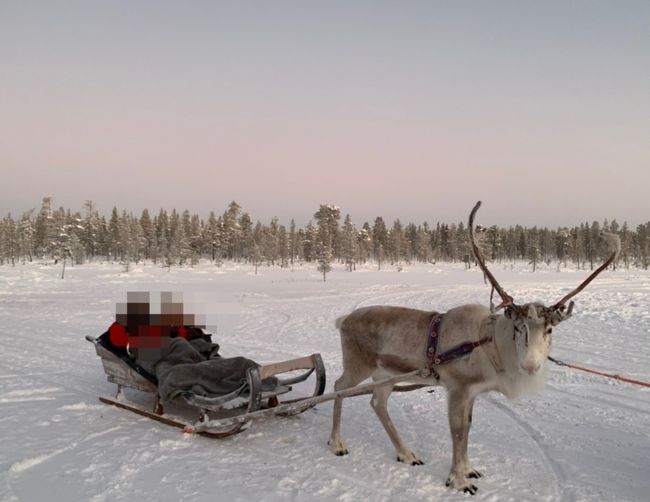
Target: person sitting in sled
[[170, 346]]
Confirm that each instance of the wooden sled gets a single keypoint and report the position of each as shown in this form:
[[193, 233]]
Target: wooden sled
[[234, 408]]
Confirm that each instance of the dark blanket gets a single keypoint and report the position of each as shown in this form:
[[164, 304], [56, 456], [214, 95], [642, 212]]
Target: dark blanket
[[196, 367]]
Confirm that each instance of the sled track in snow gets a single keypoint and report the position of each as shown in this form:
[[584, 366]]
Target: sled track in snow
[[605, 402], [551, 464], [17, 469]]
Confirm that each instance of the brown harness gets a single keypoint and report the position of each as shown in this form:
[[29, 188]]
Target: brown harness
[[452, 354]]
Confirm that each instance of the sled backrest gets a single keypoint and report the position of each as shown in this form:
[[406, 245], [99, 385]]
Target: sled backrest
[[120, 370]]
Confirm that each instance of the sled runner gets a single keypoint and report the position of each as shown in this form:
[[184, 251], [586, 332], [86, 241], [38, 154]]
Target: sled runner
[[259, 392]]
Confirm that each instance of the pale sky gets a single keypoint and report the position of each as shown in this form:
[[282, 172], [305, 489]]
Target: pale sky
[[405, 109]]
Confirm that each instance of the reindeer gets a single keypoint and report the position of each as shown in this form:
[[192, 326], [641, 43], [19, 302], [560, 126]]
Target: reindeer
[[384, 341]]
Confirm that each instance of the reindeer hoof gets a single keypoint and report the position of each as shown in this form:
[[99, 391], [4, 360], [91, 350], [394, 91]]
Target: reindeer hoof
[[471, 489], [461, 485], [474, 474], [410, 459], [338, 447], [417, 461]]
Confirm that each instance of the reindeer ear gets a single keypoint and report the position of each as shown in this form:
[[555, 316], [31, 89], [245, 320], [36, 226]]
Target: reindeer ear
[[561, 314]]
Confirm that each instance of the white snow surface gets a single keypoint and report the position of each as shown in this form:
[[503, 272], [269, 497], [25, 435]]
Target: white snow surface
[[584, 438]]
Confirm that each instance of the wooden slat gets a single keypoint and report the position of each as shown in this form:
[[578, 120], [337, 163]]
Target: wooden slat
[[295, 406], [301, 363], [237, 427]]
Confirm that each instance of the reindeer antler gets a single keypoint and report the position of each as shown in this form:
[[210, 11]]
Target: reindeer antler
[[505, 297], [614, 244]]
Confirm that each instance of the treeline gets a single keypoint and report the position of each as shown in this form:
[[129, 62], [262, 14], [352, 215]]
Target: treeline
[[181, 238]]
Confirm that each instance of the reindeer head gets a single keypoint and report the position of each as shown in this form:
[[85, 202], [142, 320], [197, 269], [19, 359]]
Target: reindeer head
[[532, 323]]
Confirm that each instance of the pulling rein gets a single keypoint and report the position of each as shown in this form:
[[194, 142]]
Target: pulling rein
[[601, 373], [449, 355]]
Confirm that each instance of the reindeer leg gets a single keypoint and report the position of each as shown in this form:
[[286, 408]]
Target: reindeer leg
[[469, 469], [379, 403], [348, 379], [336, 443], [460, 406]]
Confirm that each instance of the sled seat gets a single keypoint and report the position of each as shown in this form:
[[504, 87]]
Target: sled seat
[[123, 371]]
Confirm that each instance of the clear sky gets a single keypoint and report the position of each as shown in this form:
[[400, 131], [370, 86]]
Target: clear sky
[[405, 109]]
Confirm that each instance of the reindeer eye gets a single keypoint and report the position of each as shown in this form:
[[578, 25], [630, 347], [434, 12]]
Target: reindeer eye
[[549, 331]]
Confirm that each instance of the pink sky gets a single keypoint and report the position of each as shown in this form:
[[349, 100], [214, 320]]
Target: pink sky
[[407, 110]]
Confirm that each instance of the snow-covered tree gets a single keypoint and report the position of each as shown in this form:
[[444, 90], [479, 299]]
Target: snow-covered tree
[[293, 242], [396, 240], [90, 225], [149, 235], [533, 252], [349, 243], [283, 246], [379, 240], [324, 250], [327, 218], [364, 243], [26, 236], [45, 232], [114, 234], [231, 233], [213, 237]]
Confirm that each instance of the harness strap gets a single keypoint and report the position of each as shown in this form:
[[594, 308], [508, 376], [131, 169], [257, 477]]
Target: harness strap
[[461, 350], [432, 340], [452, 354]]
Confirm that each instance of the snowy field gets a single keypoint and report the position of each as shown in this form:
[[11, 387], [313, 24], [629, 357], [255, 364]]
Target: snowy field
[[584, 438]]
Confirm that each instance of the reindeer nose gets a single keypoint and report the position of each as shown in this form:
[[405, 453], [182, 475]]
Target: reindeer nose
[[530, 368]]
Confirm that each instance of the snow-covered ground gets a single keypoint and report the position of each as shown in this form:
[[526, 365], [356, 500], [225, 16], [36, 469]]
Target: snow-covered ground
[[584, 438]]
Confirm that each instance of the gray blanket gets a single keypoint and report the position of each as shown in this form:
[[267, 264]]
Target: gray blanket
[[195, 366]]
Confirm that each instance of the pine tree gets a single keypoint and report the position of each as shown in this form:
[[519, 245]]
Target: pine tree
[[423, 251], [9, 240], [26, 236], [642, 244], [127, 241], [562, 246], [533, 252], [90, 228], [271, 245], [625, 244], [258, 238], [213, 237], [396, 243], [231, 232], [245, 240], [379, 240], [195, 239], [324, 250], [283, 246], [327, 220], [309, 242], [114, 234], [45, 232], [149, 235], [175, 239], [349, 243], [293, 242], [364, 243]]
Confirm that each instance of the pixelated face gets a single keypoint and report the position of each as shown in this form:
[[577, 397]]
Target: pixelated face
[[147, 333]]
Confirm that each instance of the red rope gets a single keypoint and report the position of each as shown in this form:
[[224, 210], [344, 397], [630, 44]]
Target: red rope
[[609, 375]]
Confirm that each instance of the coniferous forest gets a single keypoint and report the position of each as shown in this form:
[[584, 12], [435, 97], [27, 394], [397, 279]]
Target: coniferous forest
[[172, 239]]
